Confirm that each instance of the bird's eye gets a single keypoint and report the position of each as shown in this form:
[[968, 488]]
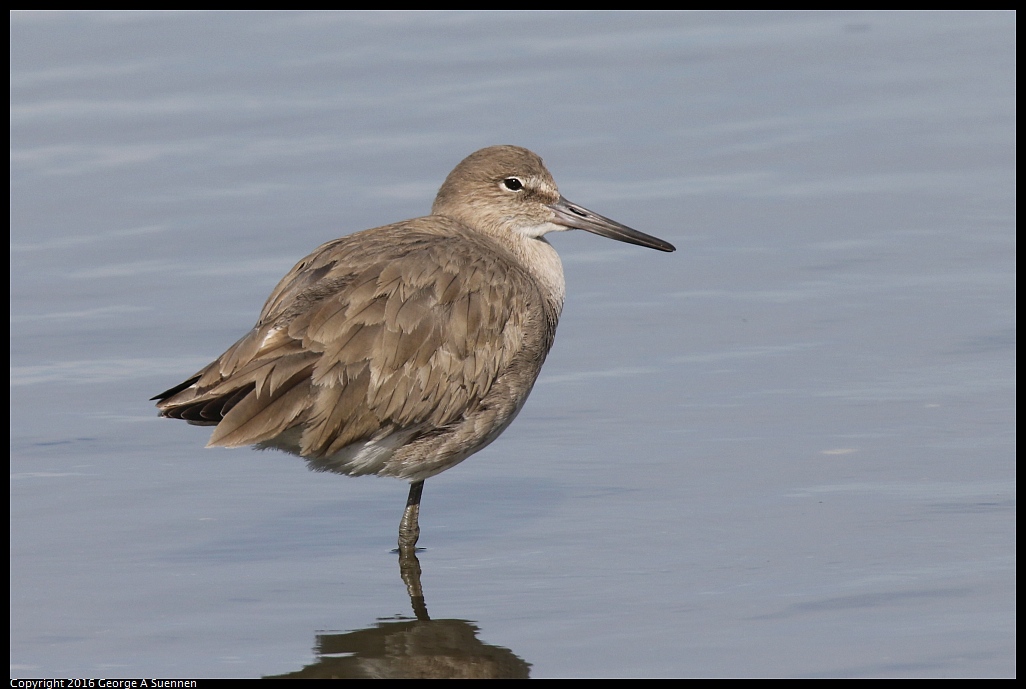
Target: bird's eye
[[513, 184]]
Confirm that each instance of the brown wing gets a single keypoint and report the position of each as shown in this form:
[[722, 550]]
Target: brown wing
[[397, 329]]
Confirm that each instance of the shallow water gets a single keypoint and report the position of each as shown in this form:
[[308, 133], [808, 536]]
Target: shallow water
[[786, 449]]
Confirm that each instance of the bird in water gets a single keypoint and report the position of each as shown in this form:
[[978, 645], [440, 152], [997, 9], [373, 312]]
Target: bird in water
[[404, 349]]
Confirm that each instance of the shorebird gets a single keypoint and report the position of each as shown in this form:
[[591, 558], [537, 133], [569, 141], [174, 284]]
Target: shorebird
[[402, 350]]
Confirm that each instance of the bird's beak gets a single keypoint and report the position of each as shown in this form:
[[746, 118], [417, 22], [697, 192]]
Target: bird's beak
[[572, 216]]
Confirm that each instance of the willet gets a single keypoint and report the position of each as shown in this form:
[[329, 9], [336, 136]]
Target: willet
[[402, 350]]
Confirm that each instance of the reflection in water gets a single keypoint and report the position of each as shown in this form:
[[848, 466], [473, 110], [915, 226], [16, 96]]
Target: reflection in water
[[411, 649]]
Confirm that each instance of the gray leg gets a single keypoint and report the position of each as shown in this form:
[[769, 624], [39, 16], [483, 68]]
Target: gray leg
[[409, 528]]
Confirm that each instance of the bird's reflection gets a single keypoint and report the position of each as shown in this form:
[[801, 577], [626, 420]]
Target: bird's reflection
[[411, 648]]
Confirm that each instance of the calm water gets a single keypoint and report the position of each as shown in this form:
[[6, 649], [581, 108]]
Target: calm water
[[786, 449]]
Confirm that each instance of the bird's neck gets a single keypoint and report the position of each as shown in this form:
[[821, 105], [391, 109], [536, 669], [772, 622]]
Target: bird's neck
[[539, 259]]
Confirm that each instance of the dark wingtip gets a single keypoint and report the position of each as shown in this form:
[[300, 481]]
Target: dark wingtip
[[175, 390]]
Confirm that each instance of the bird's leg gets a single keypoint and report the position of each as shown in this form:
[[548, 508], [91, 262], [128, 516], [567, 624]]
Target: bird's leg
[[409, 566], [409, 528]]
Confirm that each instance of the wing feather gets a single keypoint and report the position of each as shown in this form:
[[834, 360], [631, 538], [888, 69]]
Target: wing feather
[[399, 330]]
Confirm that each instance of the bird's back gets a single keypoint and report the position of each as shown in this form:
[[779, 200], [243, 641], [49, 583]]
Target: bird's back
[[397, 351]]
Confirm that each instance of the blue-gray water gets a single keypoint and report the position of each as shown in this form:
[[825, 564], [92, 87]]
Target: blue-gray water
[[786, 449]]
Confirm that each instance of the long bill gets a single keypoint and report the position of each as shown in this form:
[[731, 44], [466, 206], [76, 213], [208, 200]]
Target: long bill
[[572, 216]]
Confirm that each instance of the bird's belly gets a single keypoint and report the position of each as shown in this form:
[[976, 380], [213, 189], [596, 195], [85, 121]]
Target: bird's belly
[[412, 454], [356, 459]]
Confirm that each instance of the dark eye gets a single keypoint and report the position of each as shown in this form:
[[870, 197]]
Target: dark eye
[[513, 184]]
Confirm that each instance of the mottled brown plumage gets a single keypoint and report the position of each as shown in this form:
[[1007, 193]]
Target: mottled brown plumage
[[402, 350]]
